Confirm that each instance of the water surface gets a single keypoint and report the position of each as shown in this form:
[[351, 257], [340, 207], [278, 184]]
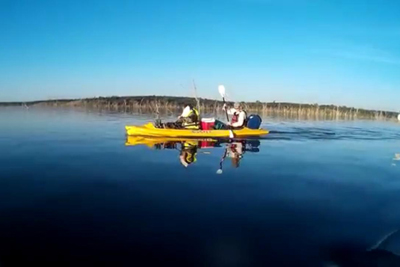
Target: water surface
[[73, 194]]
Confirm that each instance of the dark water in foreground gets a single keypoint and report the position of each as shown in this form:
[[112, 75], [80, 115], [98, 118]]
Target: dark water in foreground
[[73, 194]]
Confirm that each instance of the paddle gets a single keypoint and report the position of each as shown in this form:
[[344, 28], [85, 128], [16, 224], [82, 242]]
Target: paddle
[[221, 90], [219, 171]]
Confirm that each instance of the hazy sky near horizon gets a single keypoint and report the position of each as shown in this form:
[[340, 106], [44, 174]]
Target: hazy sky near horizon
[[311, 51]]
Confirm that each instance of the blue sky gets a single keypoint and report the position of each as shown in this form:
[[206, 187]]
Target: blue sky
[[310, 51]]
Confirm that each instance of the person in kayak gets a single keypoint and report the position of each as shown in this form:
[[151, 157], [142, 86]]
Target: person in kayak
[[239, 116], [189, 119]]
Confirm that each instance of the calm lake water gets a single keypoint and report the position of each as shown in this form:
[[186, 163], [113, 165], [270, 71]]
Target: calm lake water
[[73, 193]]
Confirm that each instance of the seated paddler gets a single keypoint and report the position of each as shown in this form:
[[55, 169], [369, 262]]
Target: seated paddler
[[189, 119], [238, 114]]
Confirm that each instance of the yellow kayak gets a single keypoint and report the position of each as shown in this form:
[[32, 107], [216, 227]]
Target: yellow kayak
[[150, 130]]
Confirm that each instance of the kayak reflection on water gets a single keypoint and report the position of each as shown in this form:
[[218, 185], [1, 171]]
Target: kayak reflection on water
[[188, 152], [189, 148], [236, 149], [235, 152]]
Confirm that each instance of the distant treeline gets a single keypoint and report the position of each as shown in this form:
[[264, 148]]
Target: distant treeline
[[159, 104]]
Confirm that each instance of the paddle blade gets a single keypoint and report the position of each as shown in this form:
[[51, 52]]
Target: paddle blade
[[219, 171], [221, 90]]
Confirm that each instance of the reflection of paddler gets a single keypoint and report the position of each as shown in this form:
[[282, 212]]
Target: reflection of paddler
[[188, 152], [235, 152]]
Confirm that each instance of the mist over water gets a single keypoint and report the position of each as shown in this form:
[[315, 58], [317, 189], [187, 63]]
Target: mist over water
[[75, 193]]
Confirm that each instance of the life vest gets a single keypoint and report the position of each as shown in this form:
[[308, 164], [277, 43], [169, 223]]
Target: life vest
[[192, 120], [190, 158], [190, 150], [235, 117], [233, 148], [190, 144]]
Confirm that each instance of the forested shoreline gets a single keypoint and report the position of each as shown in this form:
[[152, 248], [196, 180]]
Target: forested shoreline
[[159, 104]]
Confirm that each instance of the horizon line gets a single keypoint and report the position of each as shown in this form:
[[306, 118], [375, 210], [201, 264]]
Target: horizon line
[[191, 97]]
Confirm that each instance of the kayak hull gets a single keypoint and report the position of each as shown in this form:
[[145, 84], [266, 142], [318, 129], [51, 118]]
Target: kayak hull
[[149, 130]]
